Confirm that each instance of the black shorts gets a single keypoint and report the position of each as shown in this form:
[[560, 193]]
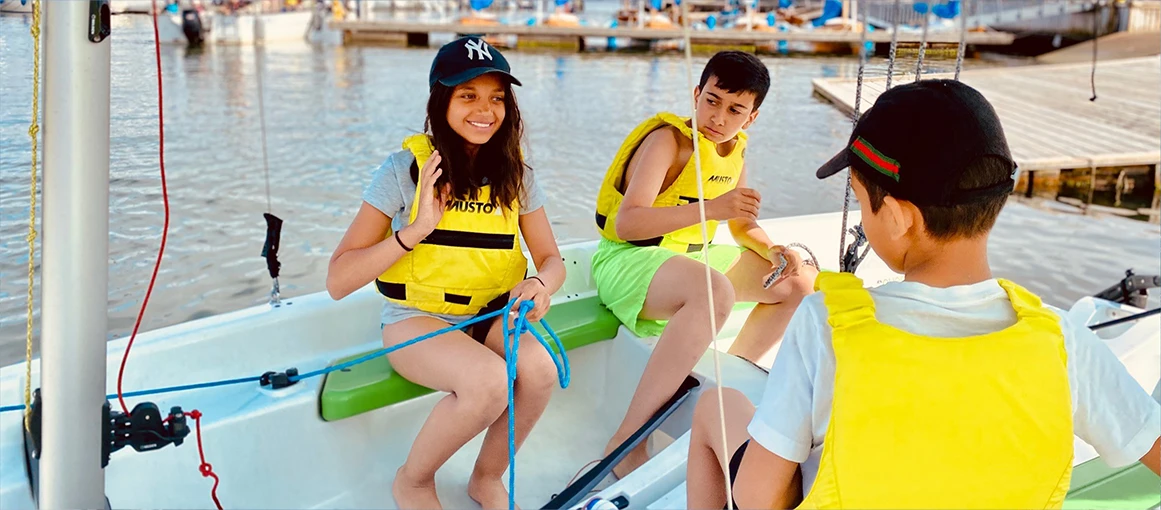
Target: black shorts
[[735, 464], [479, 330]]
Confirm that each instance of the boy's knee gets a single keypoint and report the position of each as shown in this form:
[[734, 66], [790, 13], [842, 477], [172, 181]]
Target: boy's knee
[[801, 285], [707, 404], [724, 297]]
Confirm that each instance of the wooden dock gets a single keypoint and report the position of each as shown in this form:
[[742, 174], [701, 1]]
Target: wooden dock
[[1047, 116], [1064, 143], [418, 33]]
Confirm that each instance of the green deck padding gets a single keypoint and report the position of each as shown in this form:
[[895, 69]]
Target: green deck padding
[[1095, 485], [374, 384]]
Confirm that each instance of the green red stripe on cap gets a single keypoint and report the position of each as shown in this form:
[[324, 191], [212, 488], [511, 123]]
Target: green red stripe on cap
[[876, 159]]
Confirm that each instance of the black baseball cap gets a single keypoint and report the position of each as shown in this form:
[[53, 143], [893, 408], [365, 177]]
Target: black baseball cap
[[466, 58], [919, 138]]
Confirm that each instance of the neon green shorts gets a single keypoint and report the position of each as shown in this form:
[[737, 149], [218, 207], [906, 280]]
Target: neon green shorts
[[623, 272]]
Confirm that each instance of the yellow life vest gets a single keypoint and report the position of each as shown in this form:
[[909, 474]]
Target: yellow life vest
[[471, 258], [925, 422], [719, 176]]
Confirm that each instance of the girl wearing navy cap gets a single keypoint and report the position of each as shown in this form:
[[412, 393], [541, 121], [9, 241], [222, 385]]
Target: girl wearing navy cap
[[439, 234]]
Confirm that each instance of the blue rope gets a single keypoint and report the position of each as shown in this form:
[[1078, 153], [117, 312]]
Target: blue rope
[[562, 366], [512, 334], [511, 349], [170, 389]]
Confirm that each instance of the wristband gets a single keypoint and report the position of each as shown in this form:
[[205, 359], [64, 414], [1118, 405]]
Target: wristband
[[400, 241]]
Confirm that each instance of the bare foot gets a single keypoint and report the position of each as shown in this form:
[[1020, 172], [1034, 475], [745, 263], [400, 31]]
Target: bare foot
[[489, 492], [410, 493], [635, 458]]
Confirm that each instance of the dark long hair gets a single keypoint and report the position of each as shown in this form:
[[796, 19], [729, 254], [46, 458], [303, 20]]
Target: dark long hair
[[498, 163]]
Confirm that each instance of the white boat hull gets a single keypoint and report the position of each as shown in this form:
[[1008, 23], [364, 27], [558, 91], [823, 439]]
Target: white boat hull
[[272, 449], [248, 29]]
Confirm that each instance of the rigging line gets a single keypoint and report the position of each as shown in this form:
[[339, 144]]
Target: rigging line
[[705, 241], [962, 38], [922, 43], [33, 131], [165, 203], [894, 47], [259, 60], [1095, 36], [855, 122]]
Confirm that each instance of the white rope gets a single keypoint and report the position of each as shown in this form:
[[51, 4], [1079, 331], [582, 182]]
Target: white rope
[[259, 66], [259, 52], [705, 248]]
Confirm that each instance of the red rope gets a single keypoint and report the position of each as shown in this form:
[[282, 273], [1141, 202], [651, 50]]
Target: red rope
[[165, 200], [206, 469]]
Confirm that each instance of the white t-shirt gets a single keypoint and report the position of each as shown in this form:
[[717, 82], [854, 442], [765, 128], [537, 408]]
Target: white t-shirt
[[1111, 411]]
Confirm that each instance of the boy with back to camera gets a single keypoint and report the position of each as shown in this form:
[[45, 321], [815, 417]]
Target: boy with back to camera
[[949, 389]]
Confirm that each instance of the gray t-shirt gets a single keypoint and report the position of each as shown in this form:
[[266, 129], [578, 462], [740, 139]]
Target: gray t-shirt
[[392, 192]]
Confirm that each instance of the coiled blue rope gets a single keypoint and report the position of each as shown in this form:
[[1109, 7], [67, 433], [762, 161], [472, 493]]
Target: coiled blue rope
[[512, 336]]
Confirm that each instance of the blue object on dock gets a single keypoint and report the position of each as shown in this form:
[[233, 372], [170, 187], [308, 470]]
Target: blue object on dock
[[920, 7], [711, 21], [785, 4], [831, 9], [947, 11], [656, 4]]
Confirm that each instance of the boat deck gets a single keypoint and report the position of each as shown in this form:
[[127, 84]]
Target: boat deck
[[1048, 118]]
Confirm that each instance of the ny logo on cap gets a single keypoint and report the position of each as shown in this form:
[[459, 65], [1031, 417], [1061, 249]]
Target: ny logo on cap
[[479, 47]]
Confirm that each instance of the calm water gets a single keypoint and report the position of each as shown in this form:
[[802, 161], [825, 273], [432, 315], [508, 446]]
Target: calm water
[[334, 113]]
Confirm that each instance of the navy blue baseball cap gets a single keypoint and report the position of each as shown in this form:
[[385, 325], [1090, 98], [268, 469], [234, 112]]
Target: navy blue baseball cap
[[466, 58], [918, 139]]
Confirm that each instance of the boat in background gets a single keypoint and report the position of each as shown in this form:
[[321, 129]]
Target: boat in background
[[16, 6]]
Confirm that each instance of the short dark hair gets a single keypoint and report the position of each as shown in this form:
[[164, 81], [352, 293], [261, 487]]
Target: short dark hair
[[738, 71], [963, 221]]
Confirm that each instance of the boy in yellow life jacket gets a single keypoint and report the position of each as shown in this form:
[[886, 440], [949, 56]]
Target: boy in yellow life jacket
[[649, 269], [949, 389]]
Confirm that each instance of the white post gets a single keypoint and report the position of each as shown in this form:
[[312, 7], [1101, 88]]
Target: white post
[[74, 281]]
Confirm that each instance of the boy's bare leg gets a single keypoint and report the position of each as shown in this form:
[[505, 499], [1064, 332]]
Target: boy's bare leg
[[767, 322], [705, 471], [677, 293]]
